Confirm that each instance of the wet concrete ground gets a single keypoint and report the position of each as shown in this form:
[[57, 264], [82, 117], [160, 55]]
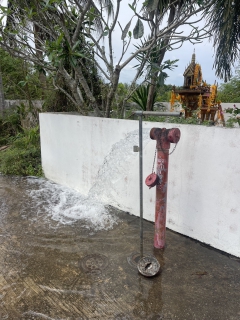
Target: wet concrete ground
[[54, 271]]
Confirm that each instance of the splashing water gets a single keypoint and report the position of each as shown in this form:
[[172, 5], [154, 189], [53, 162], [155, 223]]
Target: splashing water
[[66, 206], [115, 166]]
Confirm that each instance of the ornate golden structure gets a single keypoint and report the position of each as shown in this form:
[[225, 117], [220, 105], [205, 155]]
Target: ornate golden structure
[[196, 95]]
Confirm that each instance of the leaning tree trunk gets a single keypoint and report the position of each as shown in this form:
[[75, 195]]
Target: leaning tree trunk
[[152, 87], [113, 89], [39, 53], [151, 91], [2, 101]]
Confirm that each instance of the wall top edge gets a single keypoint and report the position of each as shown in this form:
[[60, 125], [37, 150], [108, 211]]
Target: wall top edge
[[167, 124]]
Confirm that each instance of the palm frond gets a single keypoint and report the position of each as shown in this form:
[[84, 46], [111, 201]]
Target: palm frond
[[224, 18], [140, 96]]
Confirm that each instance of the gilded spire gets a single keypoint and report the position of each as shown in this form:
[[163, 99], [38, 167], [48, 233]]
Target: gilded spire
[[193, 57]]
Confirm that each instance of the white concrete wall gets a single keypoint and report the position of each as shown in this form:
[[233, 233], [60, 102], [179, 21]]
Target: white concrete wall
[[96, 155]]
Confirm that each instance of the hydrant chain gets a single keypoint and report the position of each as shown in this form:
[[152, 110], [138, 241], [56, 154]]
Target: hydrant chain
[[165, 150], [154, 159]]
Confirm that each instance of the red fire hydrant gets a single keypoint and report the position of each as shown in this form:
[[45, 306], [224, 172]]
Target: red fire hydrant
[[164, 137]]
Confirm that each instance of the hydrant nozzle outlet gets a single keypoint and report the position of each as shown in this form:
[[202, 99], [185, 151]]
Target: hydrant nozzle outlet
[[165, 136]]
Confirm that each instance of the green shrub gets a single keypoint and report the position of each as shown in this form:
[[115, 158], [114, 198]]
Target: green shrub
[[234, 116], [23, 157], [10, 125]]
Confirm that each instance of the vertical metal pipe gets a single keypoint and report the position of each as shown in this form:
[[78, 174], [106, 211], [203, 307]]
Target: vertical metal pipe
[[163, 137], [141, 184], [161, 199]]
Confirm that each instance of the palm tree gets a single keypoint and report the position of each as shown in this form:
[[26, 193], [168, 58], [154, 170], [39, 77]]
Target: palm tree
[[224, 19]]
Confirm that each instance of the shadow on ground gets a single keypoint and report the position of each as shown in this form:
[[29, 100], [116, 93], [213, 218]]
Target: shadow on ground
[[53, 271]]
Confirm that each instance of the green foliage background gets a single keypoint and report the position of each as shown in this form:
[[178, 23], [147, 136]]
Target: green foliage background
[[23, 155], [20, 80], [230, 91]]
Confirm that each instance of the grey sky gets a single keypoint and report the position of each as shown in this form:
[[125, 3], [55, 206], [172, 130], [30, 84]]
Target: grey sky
[[204, 55]]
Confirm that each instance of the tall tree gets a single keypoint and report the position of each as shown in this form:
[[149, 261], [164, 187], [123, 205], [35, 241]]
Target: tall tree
[[76, 39], [157, 10], [15, 13]]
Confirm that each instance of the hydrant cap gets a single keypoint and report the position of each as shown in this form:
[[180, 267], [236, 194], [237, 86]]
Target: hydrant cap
[[151, 180], [154, 133], [174, 135]]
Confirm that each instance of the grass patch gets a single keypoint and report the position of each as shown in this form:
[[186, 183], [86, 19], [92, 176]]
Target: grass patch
[[23, 157]]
